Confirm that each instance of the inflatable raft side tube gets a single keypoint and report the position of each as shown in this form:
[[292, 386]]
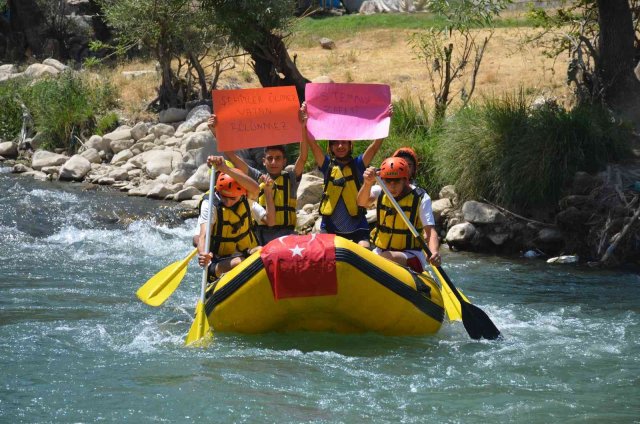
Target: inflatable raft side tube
[[245, 275], [421, 302]]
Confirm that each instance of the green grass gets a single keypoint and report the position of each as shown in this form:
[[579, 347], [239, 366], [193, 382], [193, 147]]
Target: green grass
[[10, 111], [522, 158], [308, 30]]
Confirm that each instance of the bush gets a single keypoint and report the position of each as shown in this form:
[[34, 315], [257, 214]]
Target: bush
[[62, 107], [518, 157], [10, 111], [107, 123]]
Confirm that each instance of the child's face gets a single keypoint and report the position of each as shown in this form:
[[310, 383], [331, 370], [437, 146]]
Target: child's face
[[396, 186], [229, 201], [274, 161], [340, 148]]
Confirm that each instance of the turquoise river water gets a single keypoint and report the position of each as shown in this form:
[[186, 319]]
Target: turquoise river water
[[77, 346]]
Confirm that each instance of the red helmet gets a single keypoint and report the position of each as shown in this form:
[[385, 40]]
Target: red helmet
[[228, 187], [404, 152], [394, 168]]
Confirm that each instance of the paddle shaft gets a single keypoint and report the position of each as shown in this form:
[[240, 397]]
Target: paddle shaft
[[475, 320], [208, 233]]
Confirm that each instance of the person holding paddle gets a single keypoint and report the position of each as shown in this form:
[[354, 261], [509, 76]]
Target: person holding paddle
[[341, 215], [232, 234], [392, 238], [285, 183]]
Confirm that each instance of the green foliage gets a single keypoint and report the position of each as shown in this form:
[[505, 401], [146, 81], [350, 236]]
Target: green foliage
[[518, 157], [107, 123], [250, 22], [10, 111], [65, 107]]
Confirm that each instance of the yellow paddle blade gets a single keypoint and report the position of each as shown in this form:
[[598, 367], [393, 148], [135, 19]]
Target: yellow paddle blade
[[200, 332], [451, 303], [159, 287]]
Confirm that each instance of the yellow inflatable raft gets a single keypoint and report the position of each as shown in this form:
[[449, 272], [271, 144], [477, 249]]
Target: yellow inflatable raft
[[323, 283]]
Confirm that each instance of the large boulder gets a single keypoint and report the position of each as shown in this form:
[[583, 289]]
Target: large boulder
[[310, 189], [481, 213], [440, 207], [139, 131], [198, 140], [195, 117], [38, 70], [8, 149], [92, 155], [119, 145], [162, 129], [461, 235], [55, 64], [200, 179], [99, 143], [121, 157], [119, 134], [42, 158], [172, 115], [157, 162], [75, 168]]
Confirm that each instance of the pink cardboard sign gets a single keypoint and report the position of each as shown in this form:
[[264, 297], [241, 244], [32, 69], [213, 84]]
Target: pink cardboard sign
[[348, 111], [256, 117]]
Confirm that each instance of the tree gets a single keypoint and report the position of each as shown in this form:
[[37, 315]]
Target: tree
[[260, 27], [178, 33], [601, 40], [448, 51]]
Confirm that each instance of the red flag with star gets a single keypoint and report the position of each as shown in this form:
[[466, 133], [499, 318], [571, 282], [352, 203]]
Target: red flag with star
[[301, 266]]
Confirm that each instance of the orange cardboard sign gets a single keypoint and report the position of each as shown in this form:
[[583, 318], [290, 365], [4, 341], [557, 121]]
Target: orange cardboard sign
[[256, 117]]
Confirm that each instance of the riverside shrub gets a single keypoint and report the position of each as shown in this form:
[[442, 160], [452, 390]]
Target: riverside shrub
[[506, 152], [10, 111]]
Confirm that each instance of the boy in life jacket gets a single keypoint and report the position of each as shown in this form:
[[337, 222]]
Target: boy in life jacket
[[285, 183], [391, 236], [232, 219], [409, 155], [341, 215]]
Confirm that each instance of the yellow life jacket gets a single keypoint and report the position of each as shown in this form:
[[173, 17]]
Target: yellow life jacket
[[341, 182], [233, 230], [391, 233], [283, 200]]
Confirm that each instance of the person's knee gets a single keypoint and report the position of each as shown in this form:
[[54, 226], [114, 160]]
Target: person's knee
[[364, 243]]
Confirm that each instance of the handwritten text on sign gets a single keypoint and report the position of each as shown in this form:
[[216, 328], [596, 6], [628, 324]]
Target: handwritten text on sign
[[256, 117], [348, 111]]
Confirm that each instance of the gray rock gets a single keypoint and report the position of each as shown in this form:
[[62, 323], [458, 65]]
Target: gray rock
[[119, 145], [159, 130], [498, 238], [198, 140], [139, 131], [91, 155], [448, 192], [119, 174], [49, 170], [196, 116], [106, 181], [200, 179], [327, 43], [42, 158], [186, 194], [161, 191], [20, 168], [122, 157], [38, 175], [550, 236], [55, 64], [119, 134], [441, 207], [461, 234], [8, 149], [75, 168], [172, 115], [310, 189], [481, 213], [565, 259], [157, 162], [38, 70], [98, 143]]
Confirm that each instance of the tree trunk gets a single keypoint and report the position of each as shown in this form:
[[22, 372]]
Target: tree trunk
[[616, 59], [274, 66], [167, 92]]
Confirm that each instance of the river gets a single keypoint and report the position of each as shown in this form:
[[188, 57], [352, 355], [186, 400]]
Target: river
[[77, 346]]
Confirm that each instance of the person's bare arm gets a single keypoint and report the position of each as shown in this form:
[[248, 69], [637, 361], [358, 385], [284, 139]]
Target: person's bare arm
[[243, 179], [364, 195], [268, 195], [431, 237], [298, 168], [237, 161]]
